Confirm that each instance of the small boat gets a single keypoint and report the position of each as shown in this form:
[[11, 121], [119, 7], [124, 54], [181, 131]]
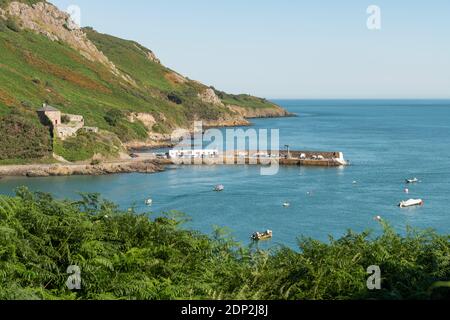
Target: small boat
[[149, 202], [411, 203], [219, 188], [286, 204], [410, 181], [259, 236]]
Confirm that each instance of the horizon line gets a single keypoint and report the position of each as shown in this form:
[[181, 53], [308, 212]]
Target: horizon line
[[369, 99]]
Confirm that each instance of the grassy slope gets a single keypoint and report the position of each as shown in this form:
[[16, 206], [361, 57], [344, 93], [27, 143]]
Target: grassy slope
[[34, 70], [123, 255]]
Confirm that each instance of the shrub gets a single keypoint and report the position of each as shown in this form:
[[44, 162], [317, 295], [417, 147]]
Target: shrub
[[173, 97], [65, 119], [3, 26], [26, 104], [113, 117], [85, 145], [12, 24], [23, 138], [36, 81], [125, 255]]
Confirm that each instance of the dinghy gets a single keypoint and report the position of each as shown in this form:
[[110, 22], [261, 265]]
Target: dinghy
[[258, 236], [411, 203]]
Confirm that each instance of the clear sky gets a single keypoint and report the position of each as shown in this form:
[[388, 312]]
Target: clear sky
[[290, 48]]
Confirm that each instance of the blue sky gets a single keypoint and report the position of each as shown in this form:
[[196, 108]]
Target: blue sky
[[290, 49]]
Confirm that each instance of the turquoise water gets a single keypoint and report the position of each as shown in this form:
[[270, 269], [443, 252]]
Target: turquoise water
[[386, 141]]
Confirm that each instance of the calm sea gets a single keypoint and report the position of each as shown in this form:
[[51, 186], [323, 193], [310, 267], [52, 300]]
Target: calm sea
[[386, 141]]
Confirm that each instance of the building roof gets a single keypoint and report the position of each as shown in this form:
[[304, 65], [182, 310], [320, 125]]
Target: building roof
[[47, 108]]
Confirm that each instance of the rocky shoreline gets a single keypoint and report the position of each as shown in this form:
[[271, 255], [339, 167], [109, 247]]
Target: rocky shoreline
[[135, 165], [241, 119], [49, 170]]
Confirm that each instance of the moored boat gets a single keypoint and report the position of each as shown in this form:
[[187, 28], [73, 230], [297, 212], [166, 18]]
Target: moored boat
[[413, 180], [259, 236], [411, 203], [219, 188]]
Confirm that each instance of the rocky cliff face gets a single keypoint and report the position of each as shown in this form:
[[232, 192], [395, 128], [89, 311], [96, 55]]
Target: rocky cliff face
[[250, 113], [209, 96]]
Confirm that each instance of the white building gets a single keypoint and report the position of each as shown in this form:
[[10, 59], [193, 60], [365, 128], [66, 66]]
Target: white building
[[196, 153]]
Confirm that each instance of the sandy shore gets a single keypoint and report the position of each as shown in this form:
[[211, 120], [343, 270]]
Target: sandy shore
[[113, 167]]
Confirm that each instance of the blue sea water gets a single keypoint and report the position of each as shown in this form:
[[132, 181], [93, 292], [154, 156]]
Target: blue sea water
[[386, 141]]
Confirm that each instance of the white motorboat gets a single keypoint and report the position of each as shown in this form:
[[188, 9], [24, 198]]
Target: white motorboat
[[410, 181], [149, 202], [411, 203], [286, 204], [219, 188]]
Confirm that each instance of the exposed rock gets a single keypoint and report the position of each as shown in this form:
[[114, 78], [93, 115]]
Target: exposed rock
[[81, 169], [175, 78], [209, 96], [249, 113], [59, 158], [227, 122], [238, 117], [37, 173], [146, 118], [2, 14], [124, 156], [152, 57], [154, 140], [46, 19]]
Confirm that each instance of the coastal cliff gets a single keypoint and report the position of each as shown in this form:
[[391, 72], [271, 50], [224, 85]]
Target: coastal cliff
[[116, 85]]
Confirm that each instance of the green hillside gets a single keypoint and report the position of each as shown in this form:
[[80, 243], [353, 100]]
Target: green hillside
[[35, 69]]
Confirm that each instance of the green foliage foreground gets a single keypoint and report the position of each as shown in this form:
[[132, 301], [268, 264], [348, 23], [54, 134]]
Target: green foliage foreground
[[124, 255]]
